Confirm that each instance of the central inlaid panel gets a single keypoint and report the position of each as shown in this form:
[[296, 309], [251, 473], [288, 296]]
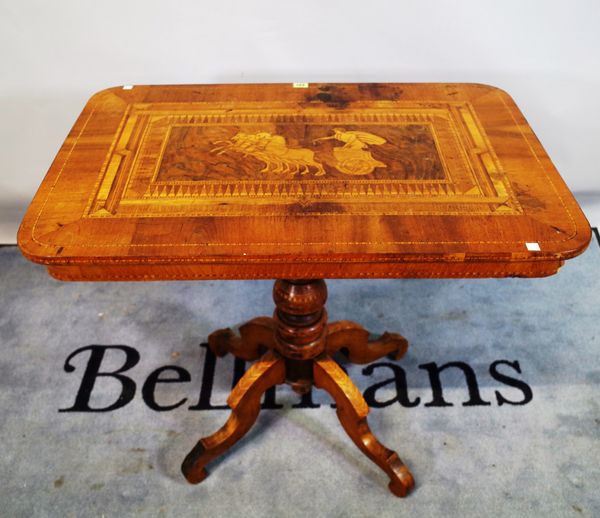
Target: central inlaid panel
[[289, 151], [383, 157]]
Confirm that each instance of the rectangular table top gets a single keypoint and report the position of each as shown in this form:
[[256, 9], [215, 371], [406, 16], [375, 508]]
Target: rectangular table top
[[302, 181]]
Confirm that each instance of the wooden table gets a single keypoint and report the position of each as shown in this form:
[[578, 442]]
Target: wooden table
[[301, 183]]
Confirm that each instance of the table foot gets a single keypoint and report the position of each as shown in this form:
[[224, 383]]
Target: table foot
[[300, 342], [244, 402], [255, 338], [353, 339], [352, 412]]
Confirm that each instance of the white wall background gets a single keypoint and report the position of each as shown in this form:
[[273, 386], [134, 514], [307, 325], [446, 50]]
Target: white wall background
[[55, 54]]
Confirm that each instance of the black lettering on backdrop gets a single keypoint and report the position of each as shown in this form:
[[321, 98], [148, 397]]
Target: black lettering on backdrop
[[92, 372], [436, 384], [95, 370], [306, 401], [597, 234], [399, 380], [208, 378], [511, 382], [154, 378]]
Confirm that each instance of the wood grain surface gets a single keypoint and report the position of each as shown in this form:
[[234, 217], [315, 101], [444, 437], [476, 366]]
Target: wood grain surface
[[273, 181]]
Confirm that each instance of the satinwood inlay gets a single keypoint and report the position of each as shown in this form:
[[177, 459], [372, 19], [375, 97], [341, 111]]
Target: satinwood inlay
[[236, 159]]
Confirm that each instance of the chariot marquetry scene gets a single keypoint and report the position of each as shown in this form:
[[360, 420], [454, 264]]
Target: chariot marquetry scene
[[383, 157], [287, 151]]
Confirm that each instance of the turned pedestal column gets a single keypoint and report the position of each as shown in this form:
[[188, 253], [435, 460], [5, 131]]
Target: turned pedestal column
[[295, 347]]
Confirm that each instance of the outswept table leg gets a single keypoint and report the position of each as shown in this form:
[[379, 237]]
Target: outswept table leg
[[348, 335], [244, 401], [352, 412], [256, 337]]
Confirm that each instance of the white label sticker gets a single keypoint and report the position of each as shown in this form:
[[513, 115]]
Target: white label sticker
[[533, 247], [127, 87], [300, 85]]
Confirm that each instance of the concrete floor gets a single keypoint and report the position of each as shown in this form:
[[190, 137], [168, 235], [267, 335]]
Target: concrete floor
[[527, 444]]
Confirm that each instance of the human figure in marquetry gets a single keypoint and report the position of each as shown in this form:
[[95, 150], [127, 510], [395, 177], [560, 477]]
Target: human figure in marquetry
[[353, 157], [273, 151]]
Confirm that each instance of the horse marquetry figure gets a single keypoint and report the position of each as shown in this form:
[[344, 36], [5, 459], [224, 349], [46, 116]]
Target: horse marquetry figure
[[273, 151]]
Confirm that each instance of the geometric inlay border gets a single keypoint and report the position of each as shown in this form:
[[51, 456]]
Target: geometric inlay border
[[129, 184]]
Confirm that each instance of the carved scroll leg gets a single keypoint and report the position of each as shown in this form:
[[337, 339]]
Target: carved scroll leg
[[244, 401], [348, 335], [352, 412], [256, 337]]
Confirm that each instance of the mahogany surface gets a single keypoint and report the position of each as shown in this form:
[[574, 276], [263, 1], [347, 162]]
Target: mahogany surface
[[275, 181]]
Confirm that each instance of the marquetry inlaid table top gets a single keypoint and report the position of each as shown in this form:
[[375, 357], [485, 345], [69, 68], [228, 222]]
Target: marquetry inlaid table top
[[302, 181]]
